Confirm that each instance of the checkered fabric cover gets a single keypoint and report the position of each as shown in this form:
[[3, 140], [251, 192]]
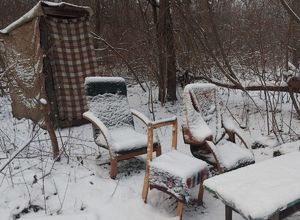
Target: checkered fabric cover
[[174, 182], [72, 58]]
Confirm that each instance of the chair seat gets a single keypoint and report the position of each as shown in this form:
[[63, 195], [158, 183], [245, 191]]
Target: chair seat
[[176, 173], [125, 140], [232, 156]]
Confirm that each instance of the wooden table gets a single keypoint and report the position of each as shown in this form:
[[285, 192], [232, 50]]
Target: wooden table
[[265, 190]]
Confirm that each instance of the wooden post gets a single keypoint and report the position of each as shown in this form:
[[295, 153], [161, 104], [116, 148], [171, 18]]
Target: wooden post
[[228, 212], [201, 192], [113, 167], [179, 210], [275, 216], [50, 129], [149, 159], [174, 135]]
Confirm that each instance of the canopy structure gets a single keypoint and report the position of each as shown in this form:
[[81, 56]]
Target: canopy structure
[[48, 53]]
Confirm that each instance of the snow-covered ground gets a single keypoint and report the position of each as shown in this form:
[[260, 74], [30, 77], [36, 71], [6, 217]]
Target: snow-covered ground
[[79, 186]]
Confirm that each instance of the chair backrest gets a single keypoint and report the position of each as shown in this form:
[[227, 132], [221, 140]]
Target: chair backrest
[[107, 99], [202, 111]]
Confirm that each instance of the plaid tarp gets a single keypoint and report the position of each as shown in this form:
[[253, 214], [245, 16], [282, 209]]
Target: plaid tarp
[[72, 58]]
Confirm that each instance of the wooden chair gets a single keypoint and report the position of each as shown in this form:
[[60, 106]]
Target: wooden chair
[[112, 120], [205, 127], [173, 172]]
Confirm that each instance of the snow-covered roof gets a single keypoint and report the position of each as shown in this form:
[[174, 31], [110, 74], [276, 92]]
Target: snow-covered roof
[[37, 11]]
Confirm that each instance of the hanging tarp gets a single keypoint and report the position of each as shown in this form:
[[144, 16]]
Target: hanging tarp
[[72, 58], [48, 53]]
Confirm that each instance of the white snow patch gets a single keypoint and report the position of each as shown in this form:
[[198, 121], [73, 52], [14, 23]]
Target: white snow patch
[[257, 191], [178, 164], [91, 79]]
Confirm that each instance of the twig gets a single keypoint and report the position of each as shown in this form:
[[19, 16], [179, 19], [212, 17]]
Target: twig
[[15, 154], [115, 188], [290, 11], [128, 65]]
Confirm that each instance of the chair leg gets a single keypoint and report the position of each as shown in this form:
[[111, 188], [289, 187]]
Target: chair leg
[[158, 150], [113, 168], [179, 210], [145, 188], [200, 193]]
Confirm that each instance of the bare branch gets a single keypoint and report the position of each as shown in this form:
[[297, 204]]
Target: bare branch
[[290, 11], [120, 55]]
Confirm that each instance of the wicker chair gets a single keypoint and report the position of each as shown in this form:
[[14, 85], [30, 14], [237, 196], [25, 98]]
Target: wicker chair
[[205, 128], [112, 120], [173, 172]]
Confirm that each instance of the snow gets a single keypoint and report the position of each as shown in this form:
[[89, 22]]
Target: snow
[[229, 124], [140, 115], [257, 191], [35, 12], [104, 130], [173, 169], [231, 155], [201, 131], [178, 164], [112, 109], [79, 186], [124, 139], [77, 216], [288, 147], [201, 107], [196, 120], [93, 79], [162, 121], [43, 101]]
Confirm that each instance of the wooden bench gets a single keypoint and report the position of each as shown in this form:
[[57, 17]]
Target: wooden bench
[[265, 190]]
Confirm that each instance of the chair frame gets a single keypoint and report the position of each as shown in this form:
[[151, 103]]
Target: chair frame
[[151, 127], [114, 158], [207, 143]]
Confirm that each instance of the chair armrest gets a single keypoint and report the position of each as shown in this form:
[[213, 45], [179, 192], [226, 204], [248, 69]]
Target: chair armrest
[[213, 149], [163, 122], [153, 124], [98, 124], [232, 130], [240, 137], [140, 116]]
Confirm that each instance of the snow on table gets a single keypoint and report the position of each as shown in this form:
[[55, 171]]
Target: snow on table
[[260, 190]]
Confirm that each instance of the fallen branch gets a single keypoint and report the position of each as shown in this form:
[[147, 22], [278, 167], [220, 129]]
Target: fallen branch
[[256, 87]]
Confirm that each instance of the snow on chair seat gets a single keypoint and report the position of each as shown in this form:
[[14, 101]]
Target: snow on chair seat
[[231, 155], [177, 173], [124, 140], [173, 172], [112, 120]]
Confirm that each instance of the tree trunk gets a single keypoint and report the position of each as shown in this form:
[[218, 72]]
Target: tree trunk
[[98, 11], [171, 57], [166, 50]]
